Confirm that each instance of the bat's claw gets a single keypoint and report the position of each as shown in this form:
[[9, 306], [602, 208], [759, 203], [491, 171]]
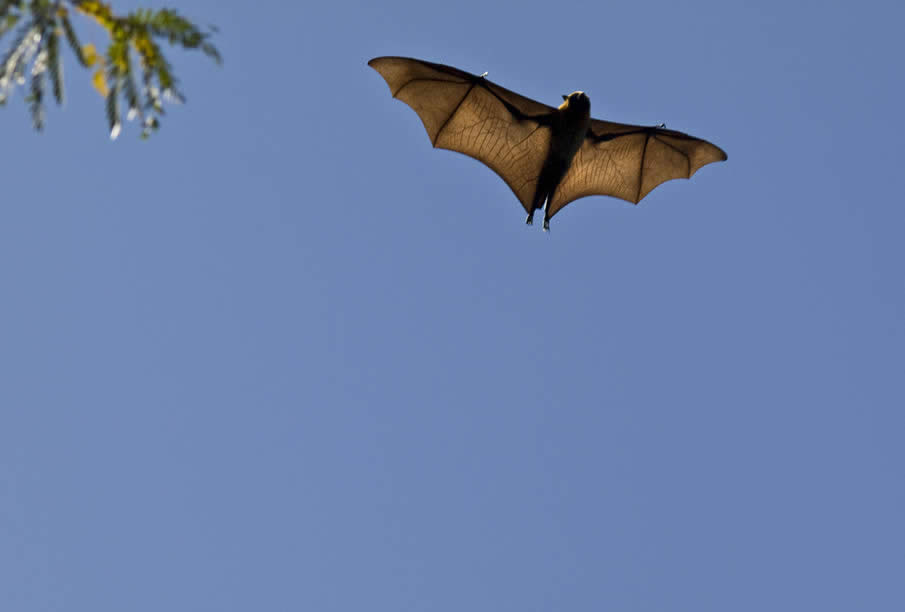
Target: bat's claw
[[546, 225], [530, 219]]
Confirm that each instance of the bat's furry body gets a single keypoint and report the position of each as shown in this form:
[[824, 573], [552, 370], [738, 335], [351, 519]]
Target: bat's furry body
[[568, 127], [548, 156]]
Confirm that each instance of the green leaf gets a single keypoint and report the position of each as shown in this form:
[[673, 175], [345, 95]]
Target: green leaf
[[36, 99], [36, 50], [113, 116], [73, 40], [130, 89], [55, 64], [18, 49], [7, 22], [5, 6]]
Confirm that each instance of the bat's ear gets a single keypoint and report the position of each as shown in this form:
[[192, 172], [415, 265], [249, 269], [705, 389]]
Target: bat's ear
[[565, 97]]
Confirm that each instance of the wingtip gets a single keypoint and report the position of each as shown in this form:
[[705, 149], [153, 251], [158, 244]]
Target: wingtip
[[379, 59]]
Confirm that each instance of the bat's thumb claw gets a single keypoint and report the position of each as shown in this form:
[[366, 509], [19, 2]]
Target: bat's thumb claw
[[546, 225], [529, 220]]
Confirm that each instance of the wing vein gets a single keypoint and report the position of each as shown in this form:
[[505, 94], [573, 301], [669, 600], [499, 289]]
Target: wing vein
[[451, 115], [680, 152], [416, 80]]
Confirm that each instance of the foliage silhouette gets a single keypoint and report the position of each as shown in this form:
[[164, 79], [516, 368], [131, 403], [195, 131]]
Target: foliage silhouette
[[34, 60]]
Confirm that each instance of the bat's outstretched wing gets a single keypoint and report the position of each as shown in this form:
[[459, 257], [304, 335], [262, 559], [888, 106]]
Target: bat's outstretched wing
[[469, 114], [628, 161]]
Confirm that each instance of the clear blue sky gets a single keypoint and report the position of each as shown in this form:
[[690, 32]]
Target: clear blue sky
[[285, 356]]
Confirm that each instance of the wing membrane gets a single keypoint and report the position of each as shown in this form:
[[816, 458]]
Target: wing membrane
[[629, 161], [471, 115]]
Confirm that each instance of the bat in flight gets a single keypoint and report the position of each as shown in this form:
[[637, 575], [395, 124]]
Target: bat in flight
[[548, 156]]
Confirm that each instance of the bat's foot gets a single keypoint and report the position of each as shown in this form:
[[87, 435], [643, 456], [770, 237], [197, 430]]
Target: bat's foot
[[546, 225], [530, 219]]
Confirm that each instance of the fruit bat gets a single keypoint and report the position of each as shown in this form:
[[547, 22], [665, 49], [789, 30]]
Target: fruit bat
[[548, 156]]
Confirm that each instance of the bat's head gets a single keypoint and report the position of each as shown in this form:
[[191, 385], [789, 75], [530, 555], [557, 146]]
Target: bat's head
[[577, 101]]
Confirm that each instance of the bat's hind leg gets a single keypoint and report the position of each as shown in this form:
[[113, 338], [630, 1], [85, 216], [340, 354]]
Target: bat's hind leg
[[537, 202], [547, 201]]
